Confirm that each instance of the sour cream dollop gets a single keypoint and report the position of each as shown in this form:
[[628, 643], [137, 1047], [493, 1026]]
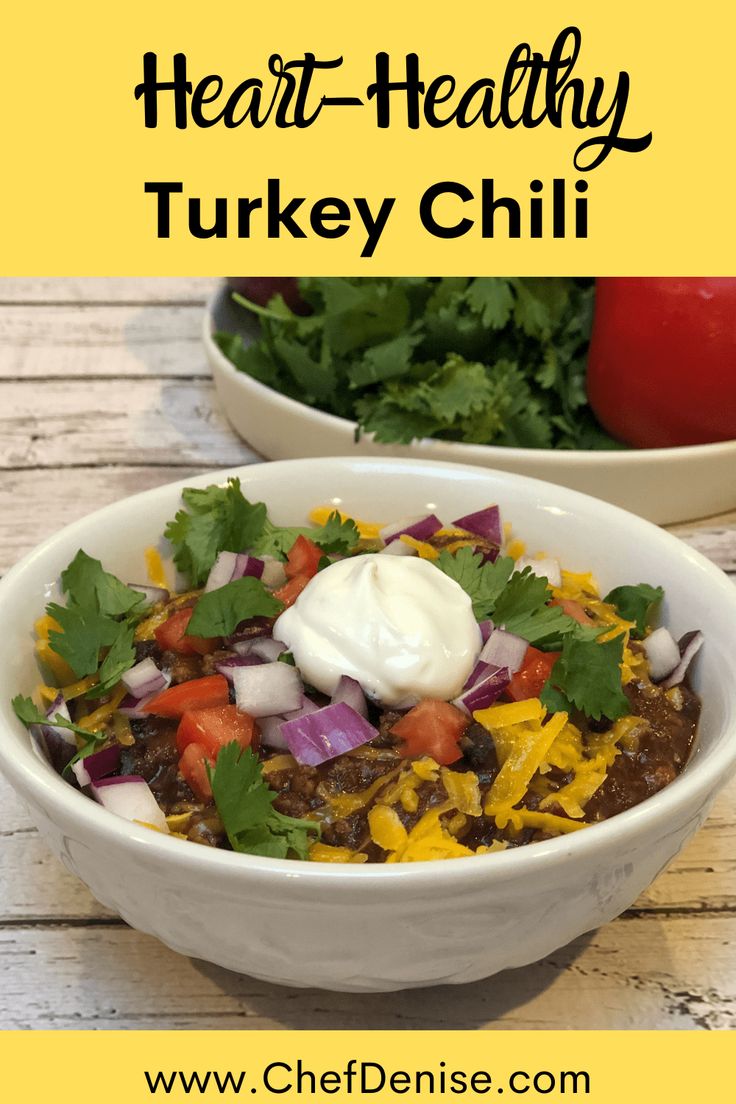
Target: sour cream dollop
[[399, 626]]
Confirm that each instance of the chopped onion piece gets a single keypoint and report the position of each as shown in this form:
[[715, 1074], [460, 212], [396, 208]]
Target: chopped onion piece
[[504, 649], [232, 565], [350, 692], [483, 523], [130, 796], [421, 528], [548, 569], [267, 648], [398, 548], [480, 671], [270, 729], [59, 745], [486, 628], [688, 646], [97, 765], [485, 692], [273, 574], [144, 679], [317, 737], [267, 688], [662, 653], [228, 666], [152, 594]]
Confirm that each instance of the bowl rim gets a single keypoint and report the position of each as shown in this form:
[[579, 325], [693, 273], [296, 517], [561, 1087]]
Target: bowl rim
[[596, 458], [36, 781]]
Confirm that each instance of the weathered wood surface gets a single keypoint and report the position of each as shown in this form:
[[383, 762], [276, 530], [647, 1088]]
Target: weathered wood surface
[[103, 392]]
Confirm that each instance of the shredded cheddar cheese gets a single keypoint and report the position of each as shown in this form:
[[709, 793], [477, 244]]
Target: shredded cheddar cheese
[[367, 530], [155, 568], [324, 853], [96, 721]]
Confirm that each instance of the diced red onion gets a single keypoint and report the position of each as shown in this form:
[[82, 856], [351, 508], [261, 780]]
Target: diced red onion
[[227, 667], [59, 745], [480, 671], [350, 692], [134, 708], [129, 796], [486, 628], [483, 523], [548, 569], [485, 692], [317, 737], [152, 594], [145, 679], [421, 528], [267, 648], [662, 654], [267, 688], [97, 765], [232, 565], [688, 646], [270, 729], [398, 548], [504, 649], [273, 575]]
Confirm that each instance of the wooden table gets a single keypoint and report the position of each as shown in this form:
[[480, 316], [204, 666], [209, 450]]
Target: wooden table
[[104, 391]]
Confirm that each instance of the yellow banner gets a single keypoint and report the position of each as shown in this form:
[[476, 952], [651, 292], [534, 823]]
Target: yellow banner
[[136, 1067], [534, 138]]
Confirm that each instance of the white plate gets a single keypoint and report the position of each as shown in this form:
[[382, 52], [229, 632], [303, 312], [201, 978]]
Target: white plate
[[662, 485]]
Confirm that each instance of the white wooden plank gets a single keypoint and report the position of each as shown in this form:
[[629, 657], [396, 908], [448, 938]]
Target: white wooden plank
[[106, 977], [42, 502], [113, 341], [64, 423], [105, 289]]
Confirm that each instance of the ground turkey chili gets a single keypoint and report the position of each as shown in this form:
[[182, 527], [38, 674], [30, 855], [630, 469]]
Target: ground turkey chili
[[349, 693]]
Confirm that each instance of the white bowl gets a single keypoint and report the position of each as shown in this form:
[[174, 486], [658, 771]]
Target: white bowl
[[379, 927], [663, 485]]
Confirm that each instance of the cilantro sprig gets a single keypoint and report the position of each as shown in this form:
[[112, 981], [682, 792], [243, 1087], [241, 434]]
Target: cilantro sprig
[[587, 676], [221, 611], [221, 519], [28, 712], [245, 804], [637, 604], [516, 600]]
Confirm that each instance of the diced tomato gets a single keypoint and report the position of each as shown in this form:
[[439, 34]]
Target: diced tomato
[[194, 771], [213, 728], [572, 609], [201, 693], [529, 680], [432, 728], [171, 635], [290, 591], [303, 559]]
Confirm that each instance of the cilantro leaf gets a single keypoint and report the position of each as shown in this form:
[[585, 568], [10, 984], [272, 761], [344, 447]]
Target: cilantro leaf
[[217, 519], [245, 804], [484, 582], [84, 633], [636, 603], [220, 612], [89, 586], [336, 535], [588, 676], [28, 712], [522, 609], [118, 660]]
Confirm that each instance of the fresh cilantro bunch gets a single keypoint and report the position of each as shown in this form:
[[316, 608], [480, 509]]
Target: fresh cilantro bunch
[[97, 623], [244, 801], [492, 360], [221, 519]]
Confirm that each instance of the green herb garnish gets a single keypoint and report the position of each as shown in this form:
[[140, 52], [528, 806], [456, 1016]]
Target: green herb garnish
[[245, 804], [587, 676], [220, 612], [637, 604]]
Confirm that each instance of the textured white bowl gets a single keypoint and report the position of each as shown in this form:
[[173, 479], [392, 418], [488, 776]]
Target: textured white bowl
[[662, 485], [380, 928]]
